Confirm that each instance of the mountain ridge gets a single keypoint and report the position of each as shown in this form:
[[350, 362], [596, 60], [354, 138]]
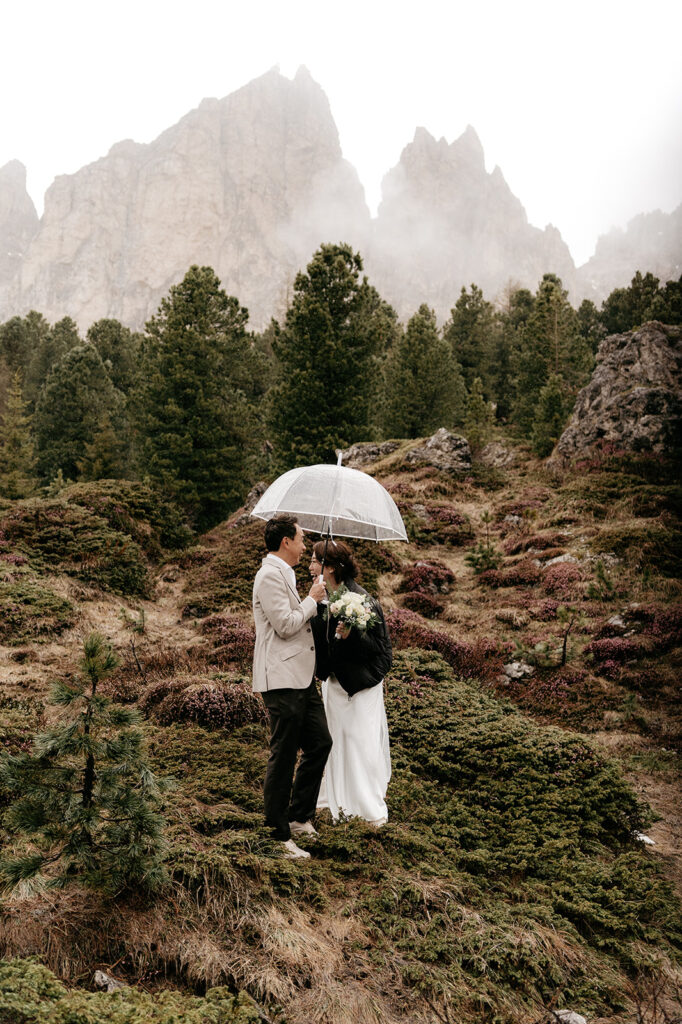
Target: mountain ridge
[[252, 184]]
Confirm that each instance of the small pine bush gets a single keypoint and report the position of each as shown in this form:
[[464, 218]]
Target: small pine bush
[[87, 805]]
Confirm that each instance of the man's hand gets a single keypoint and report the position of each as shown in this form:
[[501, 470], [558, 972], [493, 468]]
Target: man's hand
[[318, 592], [342, 631]]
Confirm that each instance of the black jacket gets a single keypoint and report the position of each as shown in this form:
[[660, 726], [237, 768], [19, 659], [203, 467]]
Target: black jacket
[[360, 661]]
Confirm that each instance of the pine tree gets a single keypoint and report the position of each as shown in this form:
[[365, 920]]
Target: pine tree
[[70, 408], [552, 344], [470, 333], [88, 805], [16, 446], [550, 416], [516, 306], [119, 348], [327, 354], [104, 455], [478, 418], [52, 346], [20, 338], [423, 385], [192, 414]]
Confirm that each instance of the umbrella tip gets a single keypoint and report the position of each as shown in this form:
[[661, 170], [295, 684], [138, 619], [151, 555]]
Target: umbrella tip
[[339, 457]]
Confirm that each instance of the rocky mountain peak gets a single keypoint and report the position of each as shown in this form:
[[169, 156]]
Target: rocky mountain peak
[[18, 218], [444, 222]]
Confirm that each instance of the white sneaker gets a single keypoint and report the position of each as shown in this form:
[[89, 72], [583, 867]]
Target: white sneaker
[[303, 828], [293, 852]]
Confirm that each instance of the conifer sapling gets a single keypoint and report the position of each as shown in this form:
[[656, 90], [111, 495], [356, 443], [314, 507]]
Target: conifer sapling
[[88, 804]]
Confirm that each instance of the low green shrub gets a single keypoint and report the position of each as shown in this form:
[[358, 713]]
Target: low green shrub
[[224, 703], [654, 543], [29, 611], [74, 540], [136, 509], [31, 994], [227, 579]]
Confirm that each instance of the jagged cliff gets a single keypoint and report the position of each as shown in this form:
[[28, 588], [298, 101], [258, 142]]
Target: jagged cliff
[[650, 242], [444, 223], [18, 219], [249, 185], [252, 184]]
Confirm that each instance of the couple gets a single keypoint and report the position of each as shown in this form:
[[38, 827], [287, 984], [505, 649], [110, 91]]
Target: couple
[[294, 644]]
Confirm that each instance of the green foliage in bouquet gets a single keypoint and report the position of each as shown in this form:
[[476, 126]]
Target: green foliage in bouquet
[[87, 804]]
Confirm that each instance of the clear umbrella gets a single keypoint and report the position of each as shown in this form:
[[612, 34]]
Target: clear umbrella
[[336, 501]]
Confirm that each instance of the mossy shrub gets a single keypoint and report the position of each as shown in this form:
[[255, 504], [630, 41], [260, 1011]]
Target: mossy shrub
[[436, 523], [524, 784], [539, 542], [31, 994], [227, 579], [30, 611], [482, 659], [524, 573], [137, 509], [427, 577], [428, 605], [233, 641], [76, 541], [213, 704]]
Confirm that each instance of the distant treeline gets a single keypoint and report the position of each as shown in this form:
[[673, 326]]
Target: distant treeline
[[203, 407]]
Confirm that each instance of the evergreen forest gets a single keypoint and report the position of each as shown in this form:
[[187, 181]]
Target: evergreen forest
[[201, 406]]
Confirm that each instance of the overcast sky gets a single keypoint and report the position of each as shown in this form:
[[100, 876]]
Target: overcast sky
[[579, 103]]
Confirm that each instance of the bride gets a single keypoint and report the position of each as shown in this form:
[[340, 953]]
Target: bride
[[354, 661]]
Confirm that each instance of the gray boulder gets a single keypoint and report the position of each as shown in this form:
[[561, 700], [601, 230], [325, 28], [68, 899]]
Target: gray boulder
[[365, 453], [446, 451], [634, 399]]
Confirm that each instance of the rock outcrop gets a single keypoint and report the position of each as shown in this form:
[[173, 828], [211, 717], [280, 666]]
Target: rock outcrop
[[18, 220], [444, 222], [634, 399], [445, 451], [365, 453]]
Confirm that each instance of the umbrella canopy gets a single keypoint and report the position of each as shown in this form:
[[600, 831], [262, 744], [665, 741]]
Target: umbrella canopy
[[334, 500]]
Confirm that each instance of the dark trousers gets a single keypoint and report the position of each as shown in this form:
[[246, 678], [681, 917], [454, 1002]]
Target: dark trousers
[[297, 722]]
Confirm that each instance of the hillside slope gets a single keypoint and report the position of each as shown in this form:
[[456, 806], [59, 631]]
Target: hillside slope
[[509, 880]]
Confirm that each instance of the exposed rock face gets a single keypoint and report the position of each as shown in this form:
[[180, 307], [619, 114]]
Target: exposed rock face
[[651, 242], [444, 450], [444, 223], [634, 399], [249, 185], [18, 219], [364, 453]]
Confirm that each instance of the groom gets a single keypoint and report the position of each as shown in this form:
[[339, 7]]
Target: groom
[[283, 670]]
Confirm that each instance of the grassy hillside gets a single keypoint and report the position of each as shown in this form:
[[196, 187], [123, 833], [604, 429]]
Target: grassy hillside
[[509, 880]]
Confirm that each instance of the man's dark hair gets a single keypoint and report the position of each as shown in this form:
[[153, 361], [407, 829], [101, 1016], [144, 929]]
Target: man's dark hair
[[279, 527]]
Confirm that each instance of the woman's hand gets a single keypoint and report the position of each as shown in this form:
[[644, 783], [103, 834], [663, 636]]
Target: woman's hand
[[342, 631]]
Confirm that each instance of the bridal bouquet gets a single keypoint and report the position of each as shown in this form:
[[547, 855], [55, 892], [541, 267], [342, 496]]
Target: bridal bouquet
[[352, 609]]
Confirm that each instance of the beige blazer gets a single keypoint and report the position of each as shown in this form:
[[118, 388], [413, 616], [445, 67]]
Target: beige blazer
[[284, 655]]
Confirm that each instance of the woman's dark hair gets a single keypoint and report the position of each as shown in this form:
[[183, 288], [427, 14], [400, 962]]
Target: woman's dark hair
[[279, 527], [339, 559]]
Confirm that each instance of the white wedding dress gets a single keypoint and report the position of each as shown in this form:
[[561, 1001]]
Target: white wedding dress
[[359, 766]]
